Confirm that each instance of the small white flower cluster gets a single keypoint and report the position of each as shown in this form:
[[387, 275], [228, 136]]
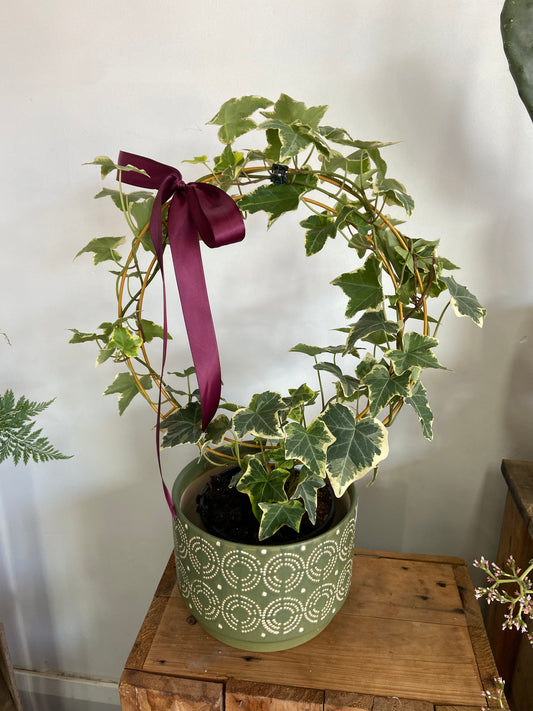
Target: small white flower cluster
[[497, 696], [510, 587]]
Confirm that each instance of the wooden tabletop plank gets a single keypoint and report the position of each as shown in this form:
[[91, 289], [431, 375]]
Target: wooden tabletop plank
[[140, 691], [347, 701], [254, 696], [371, 655], [405, 589], [406, 631]]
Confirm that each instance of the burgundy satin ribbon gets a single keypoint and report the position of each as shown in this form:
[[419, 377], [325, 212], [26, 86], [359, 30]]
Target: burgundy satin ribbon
[[196, 209]]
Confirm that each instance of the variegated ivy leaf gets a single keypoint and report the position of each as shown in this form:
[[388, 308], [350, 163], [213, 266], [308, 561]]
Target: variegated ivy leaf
[[298, 399], [283, 513], [359, 446], [383, 386], [317, 229], [303, 395], [395, 194], [308, 485], [416, 353], [316, 350], [124, 340], [365, 366], [292, 140], [279, 458], [362, 287], [104, 249], [357, 163], [261, 485], [151, 330], [289, 111], [262, 417], [118, 198], [233, 116], [371, 323], [106, 165], [308, 445], [348, 383], [183, 426], [216, 429], [272, 199], [419, 402], [125, 386], [465, 303]]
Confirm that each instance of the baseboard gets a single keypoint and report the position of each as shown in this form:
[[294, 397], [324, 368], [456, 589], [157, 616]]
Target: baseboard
[[44, 691]]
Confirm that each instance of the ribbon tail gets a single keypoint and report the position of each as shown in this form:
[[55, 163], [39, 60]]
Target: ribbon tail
[[187, 258]]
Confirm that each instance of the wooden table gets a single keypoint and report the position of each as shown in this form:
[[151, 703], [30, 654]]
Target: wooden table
[[410, 637]]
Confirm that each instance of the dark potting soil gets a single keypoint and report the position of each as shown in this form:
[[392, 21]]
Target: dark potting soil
[[227, 513]]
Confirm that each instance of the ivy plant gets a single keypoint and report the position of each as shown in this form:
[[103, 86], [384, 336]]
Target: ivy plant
[[386, 339]]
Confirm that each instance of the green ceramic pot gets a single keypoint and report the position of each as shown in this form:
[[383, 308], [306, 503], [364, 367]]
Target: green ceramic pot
[[260, 597]]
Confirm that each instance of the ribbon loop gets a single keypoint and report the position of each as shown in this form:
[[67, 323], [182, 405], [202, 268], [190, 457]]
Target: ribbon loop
[[195, 209]]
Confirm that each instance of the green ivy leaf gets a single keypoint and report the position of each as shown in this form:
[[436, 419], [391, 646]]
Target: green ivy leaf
[[279, 458], [292, 141], [416, 354], [289, 111], [273, 149], [151, 330], [304, 395], [262, 486], [394, 193], [272, 199], [359, 446], [308, 350], [371, 323], [383, 386], [216, 429], [228, 160], [419, 402], [196, 160], [308, 445], [463, 302], [362, 287], [125, 386], [317, 229], [103, 248], [106, 165], [357, 163], [80, 337], [365, 366], [125, 341], [348, 383], [233, 116], [134, 196], [316, 350], [261, 418], [183, 426], [308, 485], [141, 212], [285, 513]]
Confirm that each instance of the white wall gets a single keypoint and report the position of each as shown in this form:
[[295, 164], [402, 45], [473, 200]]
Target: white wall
[[83, 542]]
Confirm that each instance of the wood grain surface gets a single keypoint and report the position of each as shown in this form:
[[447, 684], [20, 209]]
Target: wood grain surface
[[409, 638]]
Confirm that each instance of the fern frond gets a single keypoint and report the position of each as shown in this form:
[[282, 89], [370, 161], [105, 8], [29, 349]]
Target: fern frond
[[18, 438]]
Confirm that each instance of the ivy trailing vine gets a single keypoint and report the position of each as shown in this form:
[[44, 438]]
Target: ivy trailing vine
[[387, 337]]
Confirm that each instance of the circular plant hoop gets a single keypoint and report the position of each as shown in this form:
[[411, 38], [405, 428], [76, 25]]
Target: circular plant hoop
[[168, 406]]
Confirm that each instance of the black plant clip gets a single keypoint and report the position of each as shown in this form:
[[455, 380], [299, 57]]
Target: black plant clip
[[278, 173]]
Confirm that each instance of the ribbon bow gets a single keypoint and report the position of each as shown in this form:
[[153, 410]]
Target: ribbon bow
[[195, 209]]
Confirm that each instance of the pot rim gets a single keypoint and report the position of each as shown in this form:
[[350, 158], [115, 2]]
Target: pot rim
[[200, 466]]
